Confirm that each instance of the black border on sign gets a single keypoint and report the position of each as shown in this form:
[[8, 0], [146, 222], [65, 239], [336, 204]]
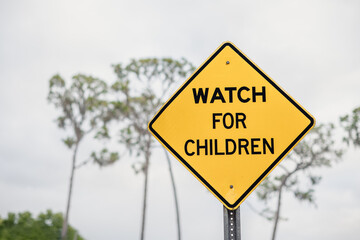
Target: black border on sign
[[312, 122]]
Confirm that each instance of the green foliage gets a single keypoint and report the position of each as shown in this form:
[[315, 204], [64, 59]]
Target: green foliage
[[105, 157], [82, 104], [142, 86], [22, 226], [83, 108], [69, 142], [351, 125], [296, 173]]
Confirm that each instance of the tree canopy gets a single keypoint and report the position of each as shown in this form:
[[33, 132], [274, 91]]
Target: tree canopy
[[351, 125]]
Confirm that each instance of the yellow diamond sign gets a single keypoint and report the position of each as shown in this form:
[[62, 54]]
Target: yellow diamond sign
[[230, 125]]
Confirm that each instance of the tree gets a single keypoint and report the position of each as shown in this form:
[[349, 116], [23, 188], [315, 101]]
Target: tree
[[22, 226], [143, 85], [351, 125], [84, 110], [316, 150]]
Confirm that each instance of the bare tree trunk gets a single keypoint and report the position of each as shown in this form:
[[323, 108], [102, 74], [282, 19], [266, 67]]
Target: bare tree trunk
[[175, 195], [146, 168], [277, 213], [66, 217]]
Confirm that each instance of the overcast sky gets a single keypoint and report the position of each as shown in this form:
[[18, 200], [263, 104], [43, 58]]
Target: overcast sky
[[310, 48]]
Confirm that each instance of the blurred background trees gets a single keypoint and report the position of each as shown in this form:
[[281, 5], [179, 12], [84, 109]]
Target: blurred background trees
[[83, 109], [141, 88], [88, 105], [296, 174]]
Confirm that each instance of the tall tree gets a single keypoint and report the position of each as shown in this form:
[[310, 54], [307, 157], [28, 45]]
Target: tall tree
[[83, 110], [295, 174], [351, 125], [23, 226], [142, 86]]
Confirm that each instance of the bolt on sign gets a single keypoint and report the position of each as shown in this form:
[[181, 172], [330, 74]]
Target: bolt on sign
[[230, 125]]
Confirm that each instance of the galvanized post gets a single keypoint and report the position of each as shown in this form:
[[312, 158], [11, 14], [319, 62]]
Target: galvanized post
[[232, 229]]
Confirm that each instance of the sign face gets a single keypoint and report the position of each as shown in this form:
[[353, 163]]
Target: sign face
[[230, 125]]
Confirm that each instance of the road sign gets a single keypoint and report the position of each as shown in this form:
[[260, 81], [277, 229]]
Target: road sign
[[230, 125]]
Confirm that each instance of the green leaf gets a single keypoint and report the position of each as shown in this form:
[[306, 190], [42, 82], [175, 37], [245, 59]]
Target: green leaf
[[69, 142]]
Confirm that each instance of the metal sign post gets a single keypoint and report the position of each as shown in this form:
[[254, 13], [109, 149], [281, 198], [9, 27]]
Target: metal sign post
[[232, 227]]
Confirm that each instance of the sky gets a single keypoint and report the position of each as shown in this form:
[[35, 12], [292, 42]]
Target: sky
[[310, 48]]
